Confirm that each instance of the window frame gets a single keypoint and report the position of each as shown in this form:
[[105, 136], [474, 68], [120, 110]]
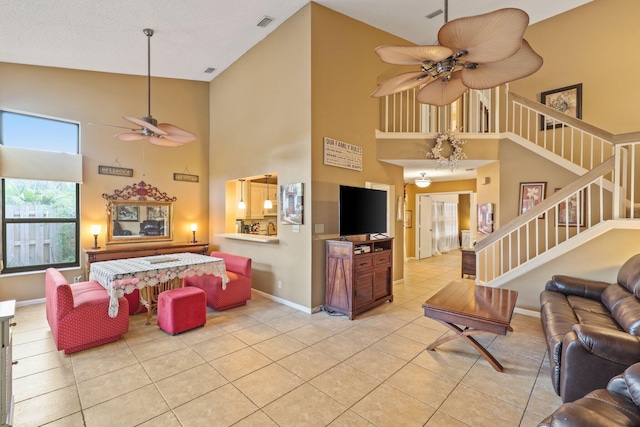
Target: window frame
[[7, 222]]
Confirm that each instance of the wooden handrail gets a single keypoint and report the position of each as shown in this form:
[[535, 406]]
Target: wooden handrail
[[561, 117], [600, 170]]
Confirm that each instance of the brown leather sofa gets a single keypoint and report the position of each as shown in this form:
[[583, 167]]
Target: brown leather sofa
[[591, 329], [617, 405]]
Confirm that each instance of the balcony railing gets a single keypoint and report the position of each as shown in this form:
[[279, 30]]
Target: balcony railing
[[608, 165]]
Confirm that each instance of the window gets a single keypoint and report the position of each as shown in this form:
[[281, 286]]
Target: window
[[40, 217]]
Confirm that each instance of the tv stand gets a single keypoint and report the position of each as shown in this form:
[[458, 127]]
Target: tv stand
[[359, 275]]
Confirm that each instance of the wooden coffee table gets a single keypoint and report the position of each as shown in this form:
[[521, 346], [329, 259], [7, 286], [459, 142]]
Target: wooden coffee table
[[477, 309]]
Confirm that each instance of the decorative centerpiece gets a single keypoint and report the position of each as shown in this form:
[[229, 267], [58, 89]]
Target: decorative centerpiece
[[448, 149]]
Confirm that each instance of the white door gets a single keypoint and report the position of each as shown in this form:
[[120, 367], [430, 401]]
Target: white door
[[424, 226]]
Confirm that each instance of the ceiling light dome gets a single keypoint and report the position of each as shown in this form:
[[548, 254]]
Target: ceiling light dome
[[423, 182]]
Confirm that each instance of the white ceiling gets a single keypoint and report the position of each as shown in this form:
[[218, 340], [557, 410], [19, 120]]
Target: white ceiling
[[194, 35]]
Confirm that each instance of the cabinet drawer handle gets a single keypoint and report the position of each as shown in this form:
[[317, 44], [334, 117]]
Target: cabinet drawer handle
[[15, 362], [13, 324]]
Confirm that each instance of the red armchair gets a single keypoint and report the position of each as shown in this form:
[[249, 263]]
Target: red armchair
[[78, 313], [238, 290]]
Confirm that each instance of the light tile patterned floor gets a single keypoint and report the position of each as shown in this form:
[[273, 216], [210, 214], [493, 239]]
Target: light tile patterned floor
[[267, 364]]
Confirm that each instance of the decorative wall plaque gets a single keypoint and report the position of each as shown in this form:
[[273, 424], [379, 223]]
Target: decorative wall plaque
[[342, 154], [113, 170], [185, 177]]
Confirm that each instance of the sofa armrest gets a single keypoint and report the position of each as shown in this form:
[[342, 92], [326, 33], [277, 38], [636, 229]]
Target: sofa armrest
[[591, 356], [616, 346], [576, 286], [236, 263], [627, 384]]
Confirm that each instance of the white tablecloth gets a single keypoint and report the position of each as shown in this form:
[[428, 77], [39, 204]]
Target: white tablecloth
[[123, 276]]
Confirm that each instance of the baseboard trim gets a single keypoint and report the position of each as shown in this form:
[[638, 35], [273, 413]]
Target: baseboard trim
[[288, 303], [30, 302], [527, 312]]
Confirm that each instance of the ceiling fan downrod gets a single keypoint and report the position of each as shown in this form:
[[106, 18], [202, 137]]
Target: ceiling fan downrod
[[148, 118]]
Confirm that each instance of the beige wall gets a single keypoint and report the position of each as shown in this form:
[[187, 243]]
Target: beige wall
[[598, 259], [593, 45], [344, 73], [261, 123], [90, 97]]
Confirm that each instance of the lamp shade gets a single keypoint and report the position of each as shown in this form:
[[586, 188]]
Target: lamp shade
[[194, 227], [423, 182], [95, 229]]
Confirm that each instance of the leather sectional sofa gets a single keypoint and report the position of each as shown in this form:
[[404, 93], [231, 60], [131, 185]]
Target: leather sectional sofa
[[591, 329], [617, 405]]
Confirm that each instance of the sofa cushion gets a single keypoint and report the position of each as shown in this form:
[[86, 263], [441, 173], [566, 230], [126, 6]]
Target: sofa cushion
[[613, 295], [629, 275], [627, 314]]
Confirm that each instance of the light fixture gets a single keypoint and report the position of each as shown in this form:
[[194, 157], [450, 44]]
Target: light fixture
[[423, 182], [241, 203], [267, 202], [95, 230], [194, 228]]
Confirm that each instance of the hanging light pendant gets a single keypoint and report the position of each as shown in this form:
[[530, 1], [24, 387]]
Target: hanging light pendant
[[241, 203], [423, 182], [267, 202]]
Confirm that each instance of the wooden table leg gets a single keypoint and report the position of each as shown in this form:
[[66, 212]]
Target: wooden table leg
[[466, 335]]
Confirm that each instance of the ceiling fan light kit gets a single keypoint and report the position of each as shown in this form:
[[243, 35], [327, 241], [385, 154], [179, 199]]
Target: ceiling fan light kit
[[163, 134], [476, 52]]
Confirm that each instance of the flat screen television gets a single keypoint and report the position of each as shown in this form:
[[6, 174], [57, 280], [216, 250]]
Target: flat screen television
[[362, 211]]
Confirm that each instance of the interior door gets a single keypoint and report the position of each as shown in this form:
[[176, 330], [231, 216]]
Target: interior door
[[424, 226]]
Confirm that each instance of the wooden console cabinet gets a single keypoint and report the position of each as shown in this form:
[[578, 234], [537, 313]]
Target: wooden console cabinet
[[359, 275], [468, 262]]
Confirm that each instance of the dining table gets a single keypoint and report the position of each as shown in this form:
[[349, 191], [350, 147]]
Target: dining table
[[152, 275]]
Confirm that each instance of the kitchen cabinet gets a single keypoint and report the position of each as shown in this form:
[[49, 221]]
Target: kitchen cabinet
[[258, 194]]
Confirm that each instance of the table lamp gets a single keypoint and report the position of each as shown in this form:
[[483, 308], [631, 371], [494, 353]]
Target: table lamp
[[194, 228], [95, 230]]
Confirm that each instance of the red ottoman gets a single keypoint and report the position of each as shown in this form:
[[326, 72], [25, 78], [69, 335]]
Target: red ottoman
[[182, 309]]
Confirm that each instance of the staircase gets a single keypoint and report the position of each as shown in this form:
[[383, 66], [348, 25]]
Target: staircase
[[604, 197]]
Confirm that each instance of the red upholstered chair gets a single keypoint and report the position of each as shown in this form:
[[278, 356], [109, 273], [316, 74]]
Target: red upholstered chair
[[78, 313], [238, 290]]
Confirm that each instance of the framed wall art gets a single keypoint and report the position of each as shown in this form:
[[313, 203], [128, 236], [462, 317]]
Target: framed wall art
[[567, 100], [531, 194], [485, 218], [408, 218], [291, 204], [572, 210]]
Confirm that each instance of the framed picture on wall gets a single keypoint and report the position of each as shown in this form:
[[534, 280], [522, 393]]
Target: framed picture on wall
[[567, 100], [485, 218], [531, 194], [572, 210]]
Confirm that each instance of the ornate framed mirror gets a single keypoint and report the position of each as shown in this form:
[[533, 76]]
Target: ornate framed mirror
[[134, 221], [139, 213]]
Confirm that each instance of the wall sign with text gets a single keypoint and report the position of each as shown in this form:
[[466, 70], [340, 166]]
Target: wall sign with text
[[342, 154]]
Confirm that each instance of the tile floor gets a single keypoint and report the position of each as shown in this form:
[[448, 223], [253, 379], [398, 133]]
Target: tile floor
[[266, 364]]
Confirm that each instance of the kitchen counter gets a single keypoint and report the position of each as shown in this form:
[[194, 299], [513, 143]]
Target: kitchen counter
[[260, 238]]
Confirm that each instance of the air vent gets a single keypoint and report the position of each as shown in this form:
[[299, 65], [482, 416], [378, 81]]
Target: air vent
[[265, 21], [209, 70], [434, 14]]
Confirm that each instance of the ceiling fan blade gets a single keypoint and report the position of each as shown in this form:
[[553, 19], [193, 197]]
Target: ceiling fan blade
[[412, 55], [176, 134], [163, 141], [145, 125], [489, 37], [442, 92], [401, 82], [524, 63], [130, 136], [111, 126]]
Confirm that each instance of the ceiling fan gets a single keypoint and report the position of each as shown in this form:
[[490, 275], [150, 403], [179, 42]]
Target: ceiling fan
[[164, 134], [476, 52]]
